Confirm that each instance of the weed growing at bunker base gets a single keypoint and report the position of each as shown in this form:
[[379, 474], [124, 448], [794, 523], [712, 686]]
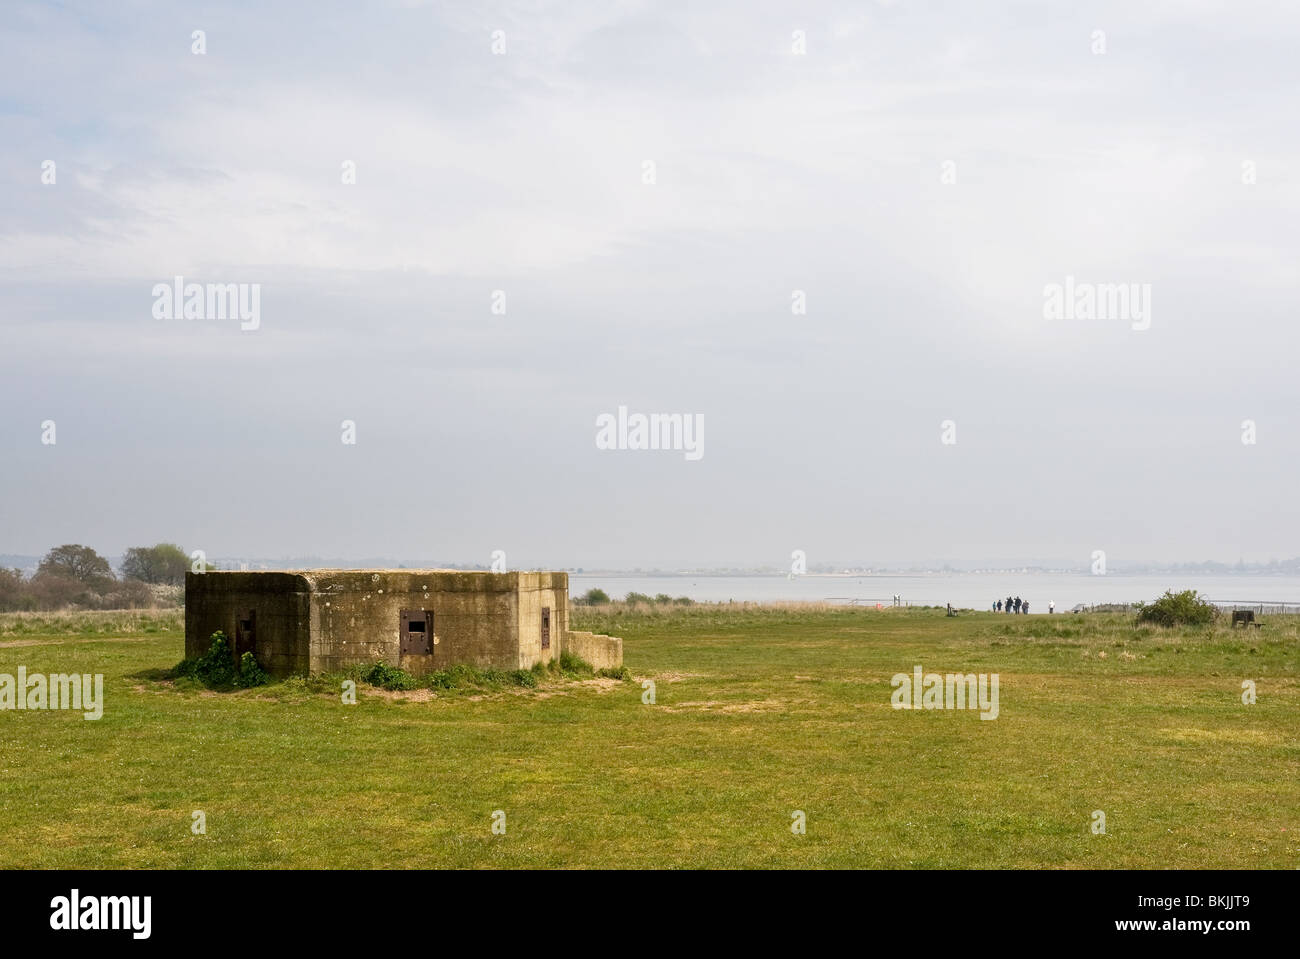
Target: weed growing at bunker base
[[461, 676], [218, 669]]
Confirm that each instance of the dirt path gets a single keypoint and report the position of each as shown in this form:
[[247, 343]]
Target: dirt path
[[10, 644]]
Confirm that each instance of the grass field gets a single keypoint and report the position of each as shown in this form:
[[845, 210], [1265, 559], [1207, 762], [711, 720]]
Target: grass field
[[759, 712]]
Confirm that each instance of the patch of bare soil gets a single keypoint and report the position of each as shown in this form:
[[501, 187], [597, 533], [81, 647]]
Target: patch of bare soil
[[1243, 737], [157, 690], [600, 684], [11, 643], [713, 705], [414, 695]]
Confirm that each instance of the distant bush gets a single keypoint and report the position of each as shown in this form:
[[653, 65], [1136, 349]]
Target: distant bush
[[1187, 608], [633, 598], [594, 597], [683, 601], [14, 594], [128, 594], [663, 598]]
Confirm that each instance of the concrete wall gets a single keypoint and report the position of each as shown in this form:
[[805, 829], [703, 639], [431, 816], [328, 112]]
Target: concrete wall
[[356, 618], [602, 652], [281, 602], [538, 591]]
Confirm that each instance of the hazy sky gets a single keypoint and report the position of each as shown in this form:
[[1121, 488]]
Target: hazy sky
[[774, 171]]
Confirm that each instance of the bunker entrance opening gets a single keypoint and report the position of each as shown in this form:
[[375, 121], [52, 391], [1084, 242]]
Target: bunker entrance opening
[[245, 633]]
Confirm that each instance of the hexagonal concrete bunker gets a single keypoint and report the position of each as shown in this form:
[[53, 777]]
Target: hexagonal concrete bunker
[[325, 620]]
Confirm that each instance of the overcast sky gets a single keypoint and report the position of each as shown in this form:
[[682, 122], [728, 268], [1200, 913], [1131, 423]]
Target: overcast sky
[[1169, 160]]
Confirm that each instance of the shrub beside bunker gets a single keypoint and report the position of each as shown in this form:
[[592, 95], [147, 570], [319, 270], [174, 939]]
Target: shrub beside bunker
[[217, 669]]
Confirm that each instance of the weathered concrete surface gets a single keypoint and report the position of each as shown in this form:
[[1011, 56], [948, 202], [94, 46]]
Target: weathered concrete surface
[[326, 620], [356, 618], [602, 652], [214, 601], [539, 591]]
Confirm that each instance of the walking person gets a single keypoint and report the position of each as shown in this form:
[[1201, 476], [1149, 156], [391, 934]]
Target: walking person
[[1026, 607], [1051, 607], [1007, 607]]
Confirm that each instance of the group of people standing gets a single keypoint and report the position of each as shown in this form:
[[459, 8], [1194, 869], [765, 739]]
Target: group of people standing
[[1017, 605]]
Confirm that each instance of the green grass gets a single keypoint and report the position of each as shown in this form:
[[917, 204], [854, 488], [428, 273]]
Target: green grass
[[759, 712]]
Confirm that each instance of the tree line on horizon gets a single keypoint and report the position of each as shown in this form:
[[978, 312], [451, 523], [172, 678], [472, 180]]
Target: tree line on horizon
[[73, 576], [598, 597]]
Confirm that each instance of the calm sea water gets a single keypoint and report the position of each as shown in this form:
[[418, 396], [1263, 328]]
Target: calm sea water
[[968, 590]]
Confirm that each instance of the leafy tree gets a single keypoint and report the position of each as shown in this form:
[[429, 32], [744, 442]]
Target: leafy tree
[[81, 564], [71, 575], [165, 563], [595, 597]]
